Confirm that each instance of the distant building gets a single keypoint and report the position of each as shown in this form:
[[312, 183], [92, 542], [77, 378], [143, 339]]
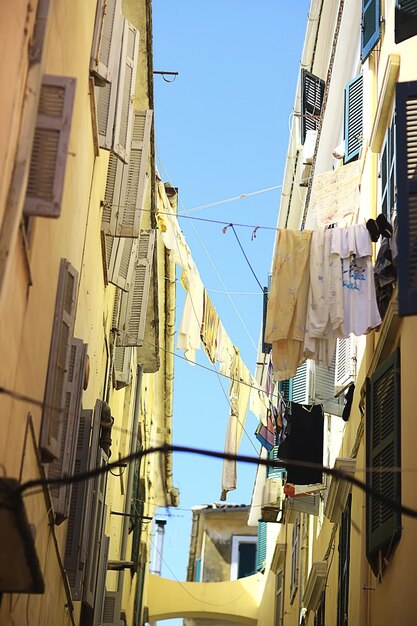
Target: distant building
[[222, 547]]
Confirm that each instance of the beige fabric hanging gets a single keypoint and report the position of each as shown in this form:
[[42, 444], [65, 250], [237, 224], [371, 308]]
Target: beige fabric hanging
[[239, 401], [287, 305]]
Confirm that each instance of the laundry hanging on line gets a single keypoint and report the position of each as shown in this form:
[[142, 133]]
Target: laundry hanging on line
[[322, 288]]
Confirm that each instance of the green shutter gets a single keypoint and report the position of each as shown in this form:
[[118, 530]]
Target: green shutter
[[261, 552], [405, 19], [312, 91], [383, 451], [274, 472], [406, 171], [197, 573], [353, 118], [371, 26]]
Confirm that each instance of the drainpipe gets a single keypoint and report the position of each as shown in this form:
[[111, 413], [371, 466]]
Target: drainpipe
[[131, 472], [159, 546]]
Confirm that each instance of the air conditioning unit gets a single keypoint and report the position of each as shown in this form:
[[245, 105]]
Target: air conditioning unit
[[304, 504], [272, 495]]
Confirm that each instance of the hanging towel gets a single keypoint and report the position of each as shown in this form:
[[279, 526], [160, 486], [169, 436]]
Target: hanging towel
[[209, 328], [192, 315], [239, 402], [287, 305]]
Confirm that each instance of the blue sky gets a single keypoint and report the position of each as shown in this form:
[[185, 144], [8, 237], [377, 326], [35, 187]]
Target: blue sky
[[222, 131]]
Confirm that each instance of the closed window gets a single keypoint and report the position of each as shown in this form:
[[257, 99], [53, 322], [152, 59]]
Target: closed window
[[295, 553], [344, 562], [383, 451]]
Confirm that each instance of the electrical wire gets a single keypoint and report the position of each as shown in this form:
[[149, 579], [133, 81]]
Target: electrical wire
[[239, 197], [244, 254], [170, 448]]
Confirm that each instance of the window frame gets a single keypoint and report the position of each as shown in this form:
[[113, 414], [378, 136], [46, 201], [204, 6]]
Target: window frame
[[295, 558], [344, 565], [234, 559]]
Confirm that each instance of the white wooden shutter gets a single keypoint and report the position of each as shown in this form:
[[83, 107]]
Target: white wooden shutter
[[115, 99], [50, 147], [325, 389], [135, 302], [96, 531], [122, 366], [112, 609], [64, 465], [126, 91], [122, 262], [111, 202], [126, 184], [106, 249], [134, 180], [59, 355], [301, 384], [106, 40], [78, 520], [106, 107], [345, 369]]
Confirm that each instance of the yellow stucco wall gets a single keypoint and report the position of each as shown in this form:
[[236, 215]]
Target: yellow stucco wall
[[28, 297]]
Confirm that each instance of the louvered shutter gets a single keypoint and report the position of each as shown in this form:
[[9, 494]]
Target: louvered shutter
[[126, 92], [112, 203], [274, 472], [344, 566], [75, 548], [325, 389], [353, 118], [135, 302], [95, 531], [106, 110], [345, 365], [301, 385], [64, 465], [261, 548], [126, 184], [405, 19], [106, 40], [99, 603], [122, 263], [371, 26], [107, 243], [50, 147], [134, 181], [59, 356], [112, 609], [312, 91], [122, 366], [295, 550], [383, 451], [406, 170]]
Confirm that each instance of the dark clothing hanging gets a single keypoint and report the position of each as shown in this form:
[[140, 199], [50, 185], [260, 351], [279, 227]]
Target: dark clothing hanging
[[304, 443]]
